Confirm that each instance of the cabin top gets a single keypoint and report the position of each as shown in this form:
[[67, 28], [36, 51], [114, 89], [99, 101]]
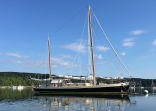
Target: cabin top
[[60, 81]]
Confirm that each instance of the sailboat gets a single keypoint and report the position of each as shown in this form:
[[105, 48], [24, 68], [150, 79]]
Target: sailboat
[[65, 86]]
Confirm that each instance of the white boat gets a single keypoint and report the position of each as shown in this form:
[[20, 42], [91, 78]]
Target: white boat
[[14, 87], [3, 87], [20, 87]]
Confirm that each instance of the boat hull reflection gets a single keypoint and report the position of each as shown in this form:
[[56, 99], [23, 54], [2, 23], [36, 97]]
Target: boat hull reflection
[[94, 103]]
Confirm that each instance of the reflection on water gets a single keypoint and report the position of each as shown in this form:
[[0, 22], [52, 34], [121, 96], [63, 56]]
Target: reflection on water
[[15, 94], [139, 90], [85, 103], [26, 99]]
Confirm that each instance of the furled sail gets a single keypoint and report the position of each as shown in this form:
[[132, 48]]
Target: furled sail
[[40, 79], [78, 77]]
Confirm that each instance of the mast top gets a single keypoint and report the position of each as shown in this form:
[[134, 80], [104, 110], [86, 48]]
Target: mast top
[[88, 7]]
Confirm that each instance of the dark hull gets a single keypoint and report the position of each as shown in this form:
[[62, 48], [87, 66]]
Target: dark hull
[[85, 91]]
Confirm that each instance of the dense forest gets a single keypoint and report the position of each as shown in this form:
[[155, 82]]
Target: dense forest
[[19, 78], [22, 78]]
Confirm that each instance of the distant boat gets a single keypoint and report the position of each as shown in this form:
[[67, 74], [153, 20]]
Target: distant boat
[[132, 86], [3, 87], [14, 87], [20, 87], [65, 86]]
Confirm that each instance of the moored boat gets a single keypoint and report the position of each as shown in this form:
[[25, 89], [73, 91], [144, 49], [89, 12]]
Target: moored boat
[[20, 87], [65, 86]]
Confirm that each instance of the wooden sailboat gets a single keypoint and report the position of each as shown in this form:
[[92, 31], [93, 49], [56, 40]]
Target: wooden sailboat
[[64, 86]]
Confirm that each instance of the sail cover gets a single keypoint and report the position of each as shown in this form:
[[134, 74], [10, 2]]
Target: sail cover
[[77, 78], [40, 79]]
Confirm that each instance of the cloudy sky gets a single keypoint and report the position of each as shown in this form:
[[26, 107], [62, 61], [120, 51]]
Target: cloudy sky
[[129, 25]]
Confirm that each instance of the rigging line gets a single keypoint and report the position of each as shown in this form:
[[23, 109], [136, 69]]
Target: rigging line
[[79, 46], [42, 57], [67, 22], [106, 65], [111, 44], [117, 70], [46, 59], [41, 63], [79, 61], [65, 72], [106, 52]]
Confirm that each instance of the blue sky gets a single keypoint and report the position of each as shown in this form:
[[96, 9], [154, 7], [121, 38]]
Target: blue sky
[[129, 25]]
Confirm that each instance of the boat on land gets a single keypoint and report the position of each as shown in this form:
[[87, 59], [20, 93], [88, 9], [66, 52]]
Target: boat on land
[[65, 86]]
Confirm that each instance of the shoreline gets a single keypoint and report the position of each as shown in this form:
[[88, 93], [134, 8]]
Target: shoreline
[[15, 86]]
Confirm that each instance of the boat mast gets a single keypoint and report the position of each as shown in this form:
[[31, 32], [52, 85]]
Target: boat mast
[[49, 58], [91, 44]]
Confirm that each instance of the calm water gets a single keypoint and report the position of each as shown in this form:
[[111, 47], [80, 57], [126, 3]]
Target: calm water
[[27, 100]]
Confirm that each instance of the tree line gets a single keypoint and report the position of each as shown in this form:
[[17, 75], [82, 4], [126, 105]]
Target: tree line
[[20, 78], [23, 78]]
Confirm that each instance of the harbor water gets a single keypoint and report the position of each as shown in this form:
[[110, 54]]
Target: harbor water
[[27, 100]]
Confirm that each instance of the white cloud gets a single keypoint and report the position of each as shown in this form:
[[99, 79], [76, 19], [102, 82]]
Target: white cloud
[[16, 55], [147, 56], [98, 56], [75, 47], [55, 62], [13, 54], [151, 49], [102, 48], [65, 56], [128, 44], [154, 43], [137, 32], [123, 53], [128, 39]]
